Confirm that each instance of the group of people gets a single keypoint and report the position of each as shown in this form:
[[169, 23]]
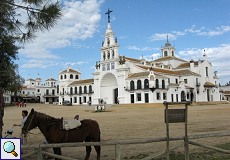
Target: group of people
[[21, 104], [23, 136]]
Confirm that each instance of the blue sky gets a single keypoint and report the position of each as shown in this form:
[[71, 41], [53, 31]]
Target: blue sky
[[141, 27]]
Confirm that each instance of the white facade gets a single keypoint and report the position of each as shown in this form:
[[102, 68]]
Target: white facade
[[34, 91], [129, 80]]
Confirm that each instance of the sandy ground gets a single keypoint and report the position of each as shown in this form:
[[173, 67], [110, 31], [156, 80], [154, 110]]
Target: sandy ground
[[132, 122]]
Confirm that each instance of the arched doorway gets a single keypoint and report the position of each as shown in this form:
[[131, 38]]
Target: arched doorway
[[109, 90], [183, 97]]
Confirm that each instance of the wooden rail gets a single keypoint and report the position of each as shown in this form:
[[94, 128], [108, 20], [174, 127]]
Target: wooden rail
[[38, 149]]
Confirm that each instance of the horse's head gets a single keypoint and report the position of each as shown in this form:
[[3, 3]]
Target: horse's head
[[30, 122]]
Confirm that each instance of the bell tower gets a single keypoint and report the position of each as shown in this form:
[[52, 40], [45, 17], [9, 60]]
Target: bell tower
[[109, 49], [168, 49]]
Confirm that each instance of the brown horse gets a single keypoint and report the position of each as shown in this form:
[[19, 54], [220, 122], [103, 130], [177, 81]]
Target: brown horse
[[50, 127]]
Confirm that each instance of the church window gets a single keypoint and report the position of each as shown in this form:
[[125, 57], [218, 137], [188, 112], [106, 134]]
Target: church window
[[108, 55], [90, 89], [163, 84], [71, 76], [172, 53], [103, 55], [185, 81], [146, 84], [61, 77], [112, 53], [103, 67], [63, 90], [112, 66], [158, 96], [157, 83], [84, 99], [76, 77], [132, 85], [71, 90], [108, 66], [75, 90], [138, 84], [164, 96], [138, 96], [165, 53], [206, 69], [168, 80], [85, 89], [176, 81], [65, 76], [108, 42], [75, 99], [80, 90]]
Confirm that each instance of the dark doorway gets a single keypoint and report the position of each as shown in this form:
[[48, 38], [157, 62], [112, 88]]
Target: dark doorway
[[80, 102], [183, 98], [208, 95], [115, 93], [146, 98], [132, 98]]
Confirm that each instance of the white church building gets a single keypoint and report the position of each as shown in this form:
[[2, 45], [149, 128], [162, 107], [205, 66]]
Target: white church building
[[122, 79]]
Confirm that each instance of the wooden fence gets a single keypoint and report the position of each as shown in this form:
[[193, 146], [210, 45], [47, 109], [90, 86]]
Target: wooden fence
[[39, 149]]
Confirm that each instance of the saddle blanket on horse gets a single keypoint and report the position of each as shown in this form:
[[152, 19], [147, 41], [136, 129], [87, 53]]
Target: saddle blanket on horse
[[70, 124]]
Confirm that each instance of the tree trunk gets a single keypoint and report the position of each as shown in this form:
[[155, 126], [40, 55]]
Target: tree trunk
[[2, 105]]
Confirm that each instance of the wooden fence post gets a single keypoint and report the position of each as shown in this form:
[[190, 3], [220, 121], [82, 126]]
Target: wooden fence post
[[39, 153], [117, 152]]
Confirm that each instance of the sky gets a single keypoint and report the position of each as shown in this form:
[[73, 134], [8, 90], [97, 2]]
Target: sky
[[141, 28]]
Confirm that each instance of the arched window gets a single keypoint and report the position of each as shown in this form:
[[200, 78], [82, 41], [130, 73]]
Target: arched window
[[112, 53], [132, 85], [61, 77], [80, 90], [85, 89], [108, 55], [163, 84], [165, 53], [157, 83], [172, 53], [76, 77], [90, 89], [71, 76], [63, 90], [75, 90], [71, 90], [65, 76], [138, 84], [146, 84], [103, 55]]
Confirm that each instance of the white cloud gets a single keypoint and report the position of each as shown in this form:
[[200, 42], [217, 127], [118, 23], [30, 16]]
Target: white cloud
[[141, 49], [162, 36], [202, 31], [218, 56], [79, 21], [39, 64]]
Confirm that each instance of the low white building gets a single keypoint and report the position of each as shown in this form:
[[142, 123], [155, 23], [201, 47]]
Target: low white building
[[34, 91], [225, 92], [122, 79]]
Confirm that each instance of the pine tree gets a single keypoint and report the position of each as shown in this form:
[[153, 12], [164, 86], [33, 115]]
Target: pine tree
[[15, 32]]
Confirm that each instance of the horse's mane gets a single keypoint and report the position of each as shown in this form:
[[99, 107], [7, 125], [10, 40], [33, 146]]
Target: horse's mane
[[44, 116]]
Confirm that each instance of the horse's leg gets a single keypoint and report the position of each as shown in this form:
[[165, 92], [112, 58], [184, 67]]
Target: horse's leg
[[98, 148], [57, 151], [88, 149]]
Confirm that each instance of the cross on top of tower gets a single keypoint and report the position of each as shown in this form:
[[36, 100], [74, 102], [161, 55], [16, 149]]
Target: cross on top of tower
[[108, 12]]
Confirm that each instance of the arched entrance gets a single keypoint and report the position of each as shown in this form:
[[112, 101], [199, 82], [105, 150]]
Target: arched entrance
[[183, 98], [109, 90]]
